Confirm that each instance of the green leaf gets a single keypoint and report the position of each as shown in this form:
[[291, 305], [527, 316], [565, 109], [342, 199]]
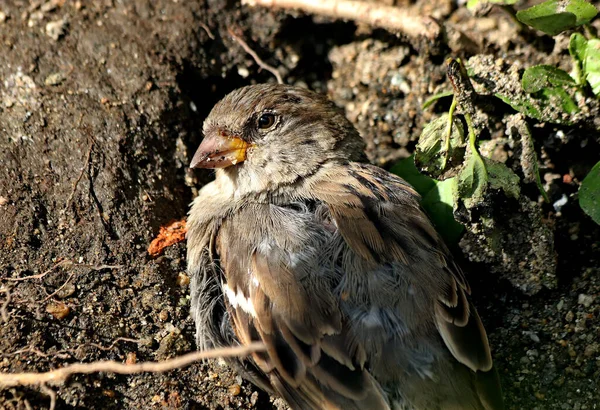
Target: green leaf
[[502, 178], [577, 49], [577, 46], [583, 11], [586, 60], [552, 25], [437, 198], [557, 97], [439, 205], [591, 65], [472, 180], [472, 4], [545, 82], [522, 104], [541, 76], [406, 169], [529, 158], [555, 16], [434, 149], [589, 194], [436, 97]]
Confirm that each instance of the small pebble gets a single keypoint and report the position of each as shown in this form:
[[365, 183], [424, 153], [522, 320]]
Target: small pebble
[[560, 203], [66, 291], [243, 72], [58, 309], [183, 279], [590, 350], [56, 29], [569, 316], [54, 79], [254, 398], [235, 389], [585, 300], [131, 358]]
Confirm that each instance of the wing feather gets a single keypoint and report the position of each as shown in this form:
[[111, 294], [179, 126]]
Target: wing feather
[[389, 225], [289, 303], [293, 311]]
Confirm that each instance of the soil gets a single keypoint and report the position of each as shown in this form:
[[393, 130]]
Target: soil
[[101, 107]]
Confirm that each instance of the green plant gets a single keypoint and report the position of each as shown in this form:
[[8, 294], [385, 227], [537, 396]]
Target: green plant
[[452, 171], [555, 16], [589, 193], [586, 61]]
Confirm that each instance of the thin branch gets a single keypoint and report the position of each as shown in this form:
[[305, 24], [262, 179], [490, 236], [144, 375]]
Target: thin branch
[[207, 30], [394, 19], [60, 375], [65, 262], [255, 56], [65, 353], [51, 393], [41, 275], [61, 287], [31, 349], [113, 344]]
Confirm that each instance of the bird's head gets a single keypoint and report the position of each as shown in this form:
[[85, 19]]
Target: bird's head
[[264, 136]]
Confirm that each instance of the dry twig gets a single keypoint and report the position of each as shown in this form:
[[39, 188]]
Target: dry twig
[[60, 375], [390, 18], [69, 352], [51, 393], [65, 262], [41, 275], [207, 30], [61, 287], [255, 56]]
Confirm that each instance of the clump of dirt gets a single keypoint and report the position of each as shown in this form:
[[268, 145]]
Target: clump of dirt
[[101, 106]]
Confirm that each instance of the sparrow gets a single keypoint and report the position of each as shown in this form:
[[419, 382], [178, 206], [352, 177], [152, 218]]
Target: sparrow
[[330, 263]]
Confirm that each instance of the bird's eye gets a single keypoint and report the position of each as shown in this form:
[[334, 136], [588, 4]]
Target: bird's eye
[[266, 121]]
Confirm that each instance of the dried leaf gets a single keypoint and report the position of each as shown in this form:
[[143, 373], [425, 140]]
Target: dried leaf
[[436, 149]]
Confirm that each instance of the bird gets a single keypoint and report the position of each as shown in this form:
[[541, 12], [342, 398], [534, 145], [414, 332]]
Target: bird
[[329, 262]]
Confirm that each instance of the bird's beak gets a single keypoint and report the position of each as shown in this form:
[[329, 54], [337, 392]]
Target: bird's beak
[[219, 150]]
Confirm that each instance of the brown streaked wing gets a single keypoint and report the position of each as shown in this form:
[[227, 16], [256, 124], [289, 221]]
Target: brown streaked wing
[[292, 323], [378, 230]]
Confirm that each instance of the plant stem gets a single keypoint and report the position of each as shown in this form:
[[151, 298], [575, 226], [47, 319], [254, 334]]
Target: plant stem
[[471, 130], [449, 131]]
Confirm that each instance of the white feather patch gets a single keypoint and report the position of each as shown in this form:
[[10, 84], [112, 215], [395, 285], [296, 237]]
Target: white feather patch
[[237, 299]]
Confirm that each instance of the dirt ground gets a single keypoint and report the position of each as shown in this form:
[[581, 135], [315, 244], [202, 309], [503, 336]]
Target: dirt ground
[[101, 107]]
